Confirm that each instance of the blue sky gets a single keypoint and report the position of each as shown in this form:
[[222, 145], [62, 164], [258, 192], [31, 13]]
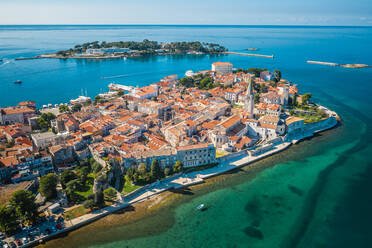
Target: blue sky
[[224, 12]]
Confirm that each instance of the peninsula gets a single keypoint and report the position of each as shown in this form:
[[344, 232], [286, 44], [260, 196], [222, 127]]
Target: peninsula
[[67, 166], [104, 50]]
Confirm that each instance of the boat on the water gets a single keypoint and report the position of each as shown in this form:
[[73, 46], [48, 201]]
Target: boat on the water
[[201, 207], [189, 73], [252, 49], [18, 82]]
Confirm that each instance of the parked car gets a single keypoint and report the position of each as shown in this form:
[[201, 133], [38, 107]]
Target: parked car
[[25, 240], [5, 245], [18, 242]]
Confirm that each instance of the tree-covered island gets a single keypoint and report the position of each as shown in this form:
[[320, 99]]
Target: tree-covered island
[[97, 49]]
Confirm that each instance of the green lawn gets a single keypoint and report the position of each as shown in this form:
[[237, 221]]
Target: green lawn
[[75, 212], [128, 187], [236, 106]]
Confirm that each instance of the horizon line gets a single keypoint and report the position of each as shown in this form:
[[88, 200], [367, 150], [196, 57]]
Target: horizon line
[[200, 25]]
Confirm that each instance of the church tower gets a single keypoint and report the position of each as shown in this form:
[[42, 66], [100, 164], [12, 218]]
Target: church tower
[[249, 99]]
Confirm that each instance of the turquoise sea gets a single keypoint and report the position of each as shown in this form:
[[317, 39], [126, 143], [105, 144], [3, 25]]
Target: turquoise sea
[[316, 194]]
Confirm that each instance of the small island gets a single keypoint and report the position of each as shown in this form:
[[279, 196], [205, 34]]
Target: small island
[[120, 49]]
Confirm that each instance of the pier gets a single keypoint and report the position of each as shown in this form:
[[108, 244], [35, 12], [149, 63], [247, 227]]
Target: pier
[[322, 63], [251, 54]]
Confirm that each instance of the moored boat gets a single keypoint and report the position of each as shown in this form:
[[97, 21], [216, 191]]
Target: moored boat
[[201, 207]]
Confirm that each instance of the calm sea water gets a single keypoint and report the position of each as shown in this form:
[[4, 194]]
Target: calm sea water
[[317, 194]]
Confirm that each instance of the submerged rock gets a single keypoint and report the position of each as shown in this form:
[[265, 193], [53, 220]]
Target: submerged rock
[[253, 232], [295, 190]]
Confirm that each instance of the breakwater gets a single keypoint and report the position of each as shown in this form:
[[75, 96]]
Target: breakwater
[[335, 64], [322, 63], [251, 54]]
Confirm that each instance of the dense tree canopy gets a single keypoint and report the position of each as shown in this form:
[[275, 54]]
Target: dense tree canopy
[[48, 186], [155, 170], [8, 219], [67, 176], [44, 120], [23, 201], [110, 194], [148, 46]]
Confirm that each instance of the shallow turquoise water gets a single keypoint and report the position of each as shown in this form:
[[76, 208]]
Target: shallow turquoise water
[[316, 194]]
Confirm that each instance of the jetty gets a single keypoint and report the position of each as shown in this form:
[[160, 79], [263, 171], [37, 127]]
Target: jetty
[[355, 66], [251, 54], [28, 58], [322, 63], [340, 65]]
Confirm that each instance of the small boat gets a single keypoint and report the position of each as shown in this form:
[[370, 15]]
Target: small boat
[[201, 207], [189, 73], [18, 82], [252, 49]]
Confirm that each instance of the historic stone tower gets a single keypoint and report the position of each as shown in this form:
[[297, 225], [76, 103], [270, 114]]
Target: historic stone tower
[[249, 99]]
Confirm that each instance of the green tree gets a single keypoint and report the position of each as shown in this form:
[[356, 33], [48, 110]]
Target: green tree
[[97, 99], [120, 93], [130, 173], [76, 107], [305, 98], [67, 176], [96, 167], [74, 185], [110, 194], [257, 98], [277, 75], [63, 108], [187, 82], [83, 174], [48, 186], [44, 120], [142, 169], [155, 171], [23, 201], [167, 172], [8, 219], [89, 204], [99, 200], [178, 166]]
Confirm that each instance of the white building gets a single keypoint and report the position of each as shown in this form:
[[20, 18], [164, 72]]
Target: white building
[[222, 67], [196, 155], [42, 140]]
